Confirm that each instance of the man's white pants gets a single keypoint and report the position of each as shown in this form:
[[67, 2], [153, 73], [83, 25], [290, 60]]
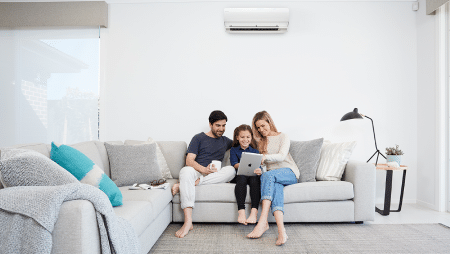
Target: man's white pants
[[188, 176]]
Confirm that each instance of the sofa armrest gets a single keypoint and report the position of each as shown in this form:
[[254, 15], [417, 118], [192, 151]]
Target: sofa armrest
[[363, 177], [76, 229]]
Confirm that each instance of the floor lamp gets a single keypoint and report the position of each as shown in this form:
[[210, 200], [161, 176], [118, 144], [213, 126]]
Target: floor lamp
[[355, 115]]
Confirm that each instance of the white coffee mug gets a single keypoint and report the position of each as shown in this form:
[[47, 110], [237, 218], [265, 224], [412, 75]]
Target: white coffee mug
[[217, 164]]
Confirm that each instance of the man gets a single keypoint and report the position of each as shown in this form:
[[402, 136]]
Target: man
[[203, 149]]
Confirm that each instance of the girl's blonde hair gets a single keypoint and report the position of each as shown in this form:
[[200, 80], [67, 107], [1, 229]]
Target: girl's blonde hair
[[262, 141], [243, 127]]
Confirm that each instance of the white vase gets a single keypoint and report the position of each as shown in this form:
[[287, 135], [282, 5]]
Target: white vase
[[396, 158]]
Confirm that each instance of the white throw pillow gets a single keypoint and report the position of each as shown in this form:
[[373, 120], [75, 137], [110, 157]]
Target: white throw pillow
[[165, 171], [333, 158], [161, 160]]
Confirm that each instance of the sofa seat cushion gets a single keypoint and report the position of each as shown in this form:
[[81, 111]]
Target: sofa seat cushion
[[318, 191], [141, 207], [221, 192], [153, 196], [140, 214], [296, 193]]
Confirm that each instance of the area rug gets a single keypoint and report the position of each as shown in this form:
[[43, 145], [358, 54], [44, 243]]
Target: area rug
[[309, 238]]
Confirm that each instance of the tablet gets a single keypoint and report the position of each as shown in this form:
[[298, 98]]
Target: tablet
[[249, 162]]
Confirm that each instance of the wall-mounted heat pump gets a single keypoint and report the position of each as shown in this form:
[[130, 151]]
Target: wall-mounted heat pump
[[256, 20]]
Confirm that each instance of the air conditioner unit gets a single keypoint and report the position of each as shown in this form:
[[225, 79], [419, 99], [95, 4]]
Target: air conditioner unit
[[256, 20]]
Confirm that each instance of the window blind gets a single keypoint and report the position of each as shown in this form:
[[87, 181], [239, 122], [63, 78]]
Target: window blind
[[433, 5]]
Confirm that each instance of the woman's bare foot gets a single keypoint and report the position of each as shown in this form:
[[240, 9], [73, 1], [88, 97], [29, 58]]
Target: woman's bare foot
[[282, 238], [184, 230], [259, 230], [253, 216], [241, 216], [175, 189]]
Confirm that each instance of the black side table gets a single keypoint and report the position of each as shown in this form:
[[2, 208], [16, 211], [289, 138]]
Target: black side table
[[387, 193]]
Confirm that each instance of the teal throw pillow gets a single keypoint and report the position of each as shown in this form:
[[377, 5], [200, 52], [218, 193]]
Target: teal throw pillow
[[85, 170]]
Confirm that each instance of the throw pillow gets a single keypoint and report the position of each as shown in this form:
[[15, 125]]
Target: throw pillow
[[306, 155], [132, 164], [165, 171], [22, 167], [333, 158], [86, 171]]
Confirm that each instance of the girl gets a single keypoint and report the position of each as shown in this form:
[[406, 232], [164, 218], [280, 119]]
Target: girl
[[243, 142], [281, 171]]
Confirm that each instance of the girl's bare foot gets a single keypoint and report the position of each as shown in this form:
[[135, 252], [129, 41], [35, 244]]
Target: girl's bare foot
[[184, 230], [175, 189], [282, 238], [253, 215], [259, 230], [241, 217]]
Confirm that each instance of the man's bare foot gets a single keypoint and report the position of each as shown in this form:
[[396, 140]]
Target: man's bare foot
[[282, 238], [175, 189], [253, 216], [259, 230], [184, 230], [241, 217]]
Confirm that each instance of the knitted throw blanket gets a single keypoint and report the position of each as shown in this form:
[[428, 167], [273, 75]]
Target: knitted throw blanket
[[28, 215]]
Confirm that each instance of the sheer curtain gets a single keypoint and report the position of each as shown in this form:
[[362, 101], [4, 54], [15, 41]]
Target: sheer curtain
[[49, 82]]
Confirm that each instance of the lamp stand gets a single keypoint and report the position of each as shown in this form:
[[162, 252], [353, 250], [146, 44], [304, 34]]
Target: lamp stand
[[377, 152]]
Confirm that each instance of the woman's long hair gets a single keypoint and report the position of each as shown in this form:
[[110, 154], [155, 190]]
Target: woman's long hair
[[243, 127], [262, 141]]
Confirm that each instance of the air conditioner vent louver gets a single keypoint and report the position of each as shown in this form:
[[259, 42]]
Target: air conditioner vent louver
[[254, 28], [256, 20]]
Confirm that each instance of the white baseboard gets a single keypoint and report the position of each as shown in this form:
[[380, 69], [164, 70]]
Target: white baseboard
[[427, 205], [380, 201]]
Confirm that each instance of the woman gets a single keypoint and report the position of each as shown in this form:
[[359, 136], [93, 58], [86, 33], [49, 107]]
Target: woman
[[281, 171]]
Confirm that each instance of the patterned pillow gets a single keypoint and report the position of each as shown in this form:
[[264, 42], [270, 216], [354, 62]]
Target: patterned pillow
[[165, 171], [306, 155], [133, 163], [22, 167], [85, 170], [333, 158]]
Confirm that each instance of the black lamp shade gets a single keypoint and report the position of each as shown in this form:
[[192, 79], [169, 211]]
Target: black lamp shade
[[352, 115]]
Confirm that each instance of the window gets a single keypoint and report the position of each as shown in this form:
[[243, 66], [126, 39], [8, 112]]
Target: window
[[49, 85]]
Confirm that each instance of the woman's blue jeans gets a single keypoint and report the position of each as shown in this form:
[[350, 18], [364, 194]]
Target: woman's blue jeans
[[272, 184]]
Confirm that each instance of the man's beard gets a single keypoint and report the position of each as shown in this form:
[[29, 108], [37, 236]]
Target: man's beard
[[216, 134]]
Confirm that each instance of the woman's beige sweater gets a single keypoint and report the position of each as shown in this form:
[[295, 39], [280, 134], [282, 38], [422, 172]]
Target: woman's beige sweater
[[278, 154]]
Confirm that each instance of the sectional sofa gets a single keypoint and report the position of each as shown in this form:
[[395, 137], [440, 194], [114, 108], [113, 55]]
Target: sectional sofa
[[151, 211]]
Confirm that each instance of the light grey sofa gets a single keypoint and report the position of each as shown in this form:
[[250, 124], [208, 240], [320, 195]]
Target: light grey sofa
[[151, 211], [349, 200]]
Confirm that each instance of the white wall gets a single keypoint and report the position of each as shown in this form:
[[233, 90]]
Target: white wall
[[427, 166], [166, 66]]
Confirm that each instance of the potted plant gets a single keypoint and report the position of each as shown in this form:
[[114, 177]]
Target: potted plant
[[394, 154]]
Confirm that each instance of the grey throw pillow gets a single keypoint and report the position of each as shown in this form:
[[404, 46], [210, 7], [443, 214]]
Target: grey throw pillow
[[130, 164], [306, 155], [22, 167]]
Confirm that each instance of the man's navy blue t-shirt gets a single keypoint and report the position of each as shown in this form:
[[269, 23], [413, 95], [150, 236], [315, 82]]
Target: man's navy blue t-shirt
[[208, 149]]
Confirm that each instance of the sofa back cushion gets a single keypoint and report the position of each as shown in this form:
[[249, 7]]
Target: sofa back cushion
[[38, 147], [175, 154]]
